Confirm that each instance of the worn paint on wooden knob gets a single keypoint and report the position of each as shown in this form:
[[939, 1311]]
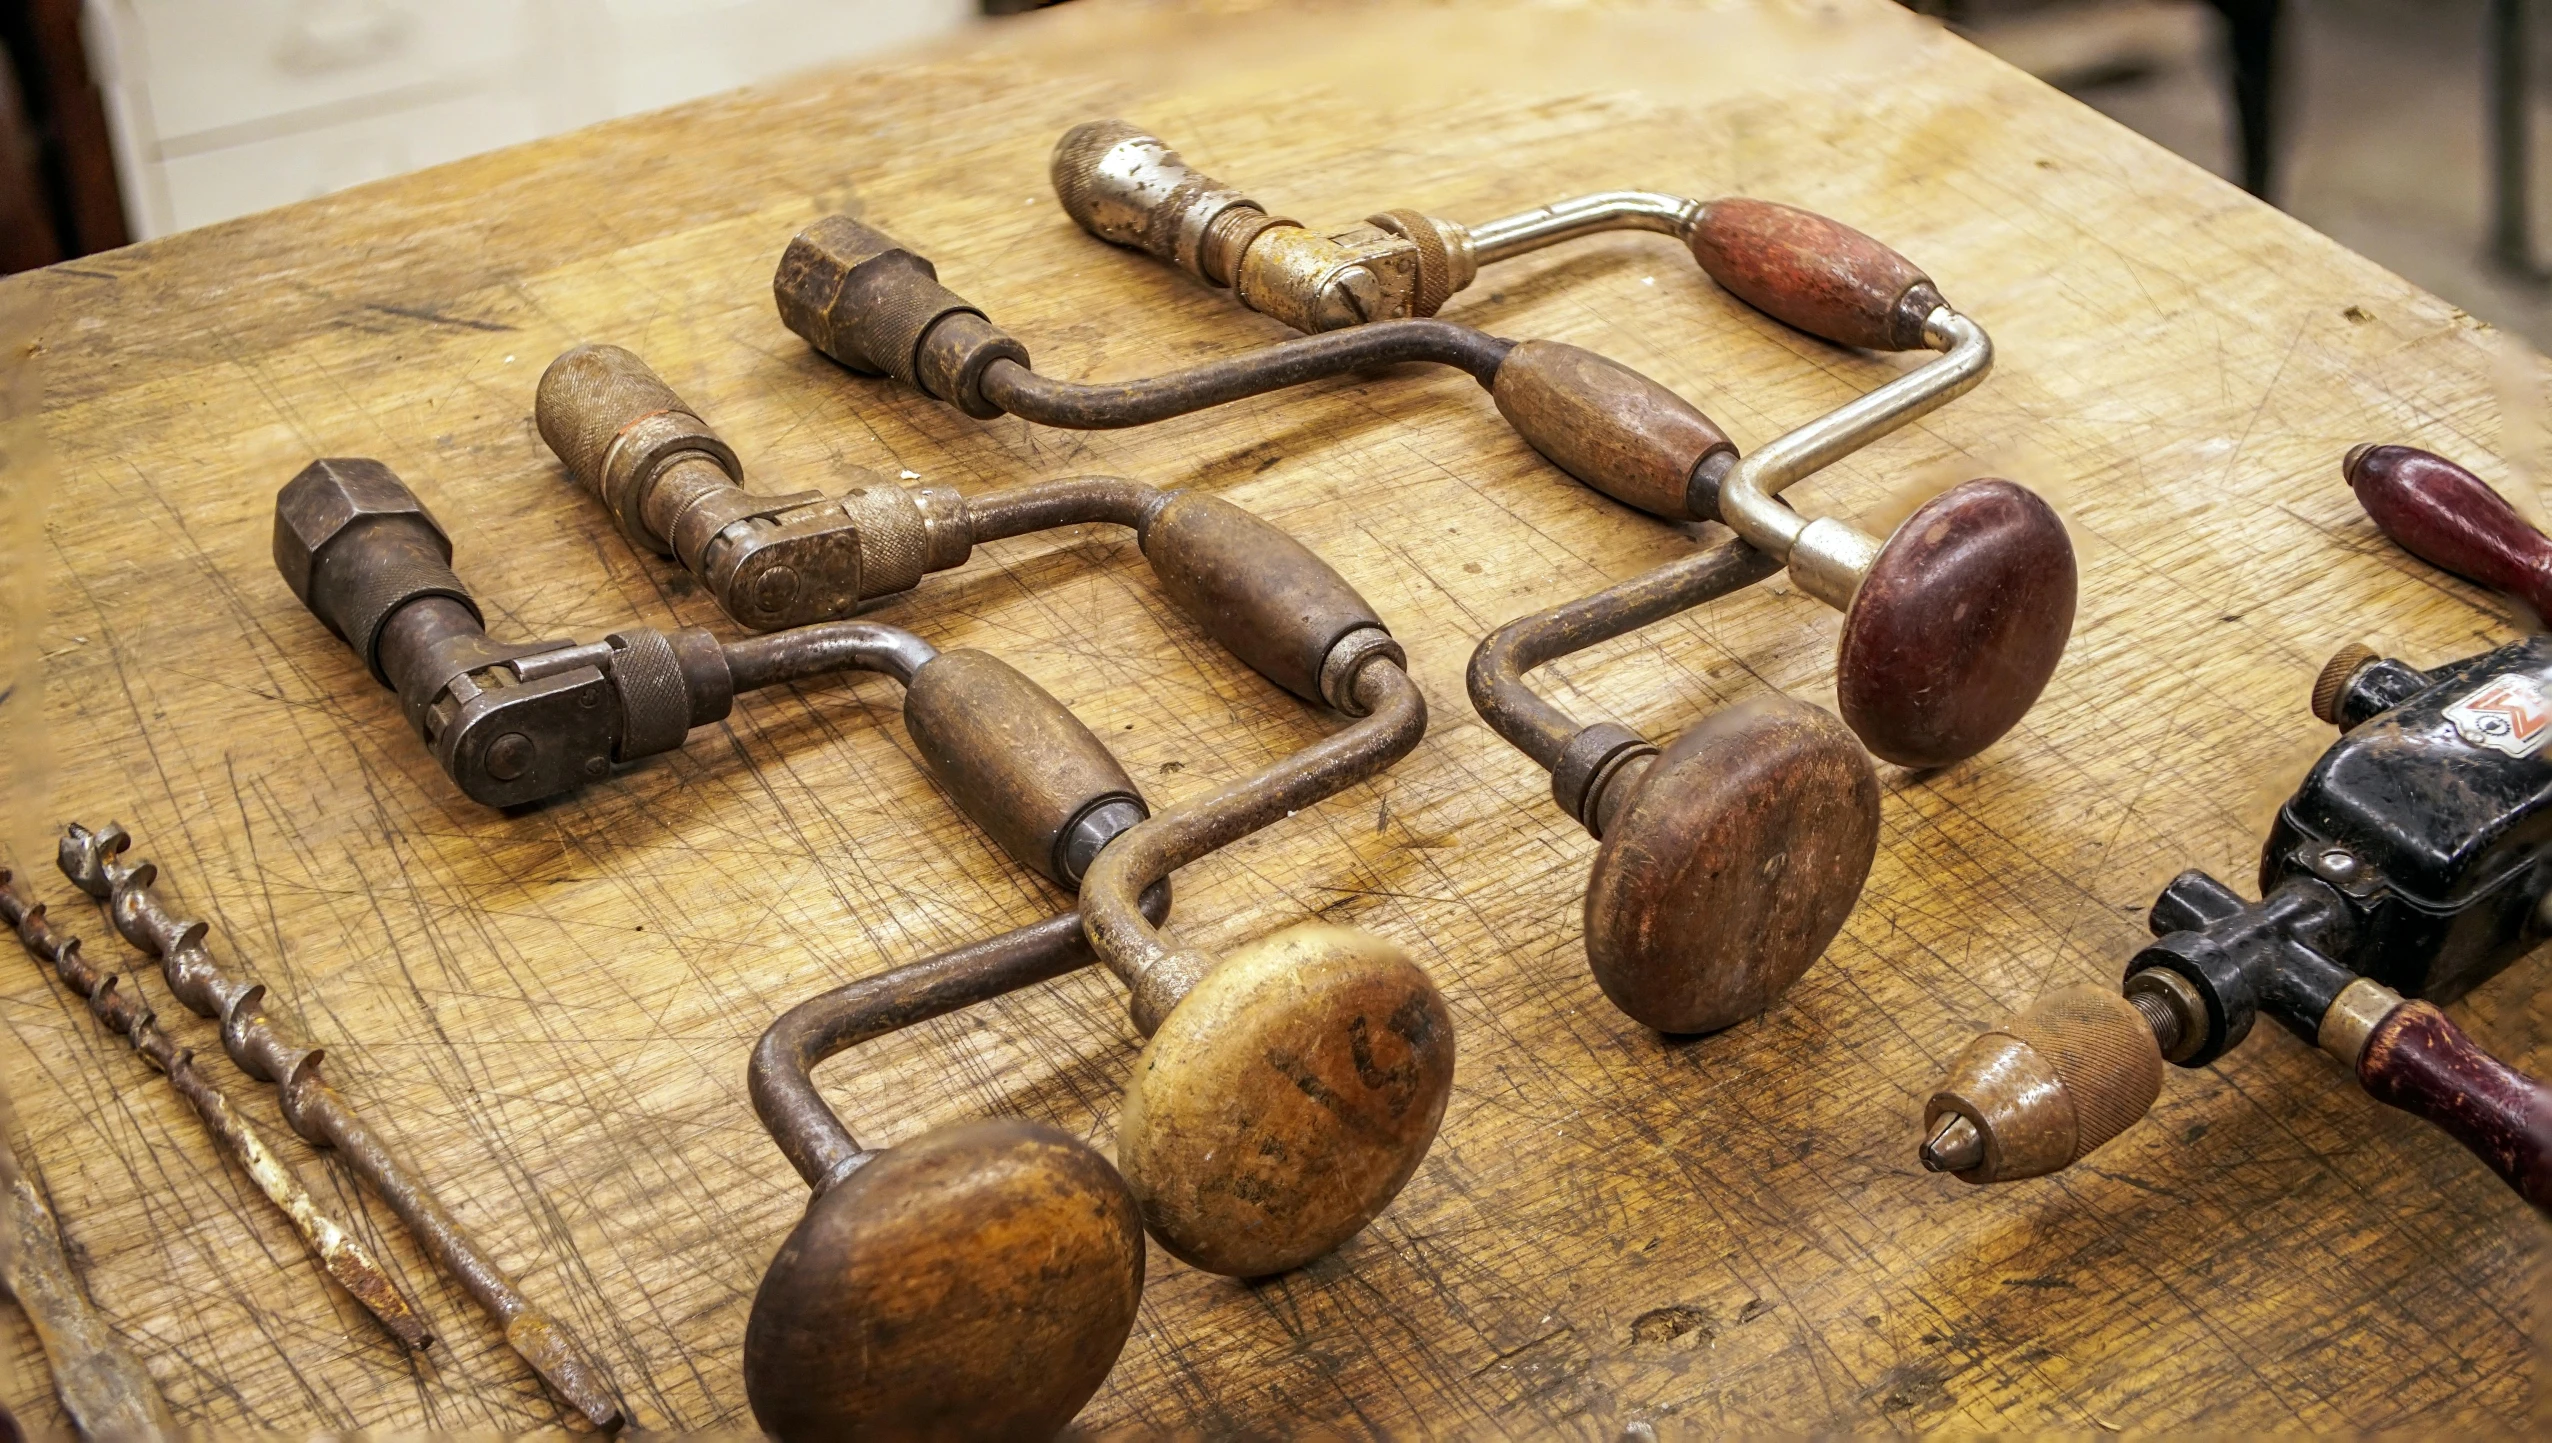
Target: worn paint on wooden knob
[[1957, 626], [2416, 1059], [1286, 1099], [1733, 866], [977, 1282]]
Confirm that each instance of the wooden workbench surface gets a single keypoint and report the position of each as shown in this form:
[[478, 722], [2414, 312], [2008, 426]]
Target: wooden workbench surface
[[550, 1011]]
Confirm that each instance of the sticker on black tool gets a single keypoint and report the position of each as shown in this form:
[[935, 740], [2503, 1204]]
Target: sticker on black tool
[[2508, 714]]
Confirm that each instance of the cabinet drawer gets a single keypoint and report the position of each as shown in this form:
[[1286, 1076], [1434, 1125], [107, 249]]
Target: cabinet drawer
[[213, 66], [235, 180]]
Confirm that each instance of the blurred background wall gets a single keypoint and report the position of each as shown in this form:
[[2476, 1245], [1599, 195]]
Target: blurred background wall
[[2402, 127], [2410, 130]]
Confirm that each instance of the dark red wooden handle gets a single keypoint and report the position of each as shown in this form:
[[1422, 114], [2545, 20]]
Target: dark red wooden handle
[[2448, 517], [2419, 1061], [1817, 274]]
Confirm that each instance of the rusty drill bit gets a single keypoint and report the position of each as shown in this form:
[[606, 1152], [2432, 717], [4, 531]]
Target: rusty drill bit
[[340, 1252], [105, 1389], [318, 1111]]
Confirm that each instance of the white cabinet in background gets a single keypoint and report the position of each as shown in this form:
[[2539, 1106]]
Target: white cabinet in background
[[221, 107]]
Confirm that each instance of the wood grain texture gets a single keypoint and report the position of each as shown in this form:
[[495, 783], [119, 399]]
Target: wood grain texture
[[550, 1012]]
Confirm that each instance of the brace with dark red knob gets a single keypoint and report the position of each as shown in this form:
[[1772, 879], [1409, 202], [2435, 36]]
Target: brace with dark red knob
[[2450, 518], [2416, 1059]]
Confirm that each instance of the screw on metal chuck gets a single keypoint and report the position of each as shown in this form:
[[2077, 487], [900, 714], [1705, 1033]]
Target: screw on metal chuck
[[676, 489]]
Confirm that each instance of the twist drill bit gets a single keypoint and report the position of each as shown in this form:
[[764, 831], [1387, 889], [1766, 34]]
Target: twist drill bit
[[340, 1252], [317, 1110], [105, 1389]]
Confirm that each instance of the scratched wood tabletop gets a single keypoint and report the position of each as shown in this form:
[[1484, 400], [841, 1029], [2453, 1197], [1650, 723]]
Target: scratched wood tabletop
[[549, 1011]]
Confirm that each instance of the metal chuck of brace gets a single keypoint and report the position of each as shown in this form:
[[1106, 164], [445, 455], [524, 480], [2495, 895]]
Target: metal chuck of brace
[[922, 1258], [2409, 867]]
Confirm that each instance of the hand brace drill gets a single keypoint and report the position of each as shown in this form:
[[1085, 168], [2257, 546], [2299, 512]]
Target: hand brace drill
[[2413, 863], [515, 722], [1981, 579], [1236, 1163], [1952, 624]]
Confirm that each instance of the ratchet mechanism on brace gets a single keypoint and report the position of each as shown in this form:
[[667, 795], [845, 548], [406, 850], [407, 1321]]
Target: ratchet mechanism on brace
[[513, 723], [2414, 862], [1285, 1093]]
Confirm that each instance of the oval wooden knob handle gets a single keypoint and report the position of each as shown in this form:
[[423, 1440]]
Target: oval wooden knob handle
[[2417, 1060], [1819, 275], [2448, 517], [1253, 587], [1612, 428], [1017, 761]]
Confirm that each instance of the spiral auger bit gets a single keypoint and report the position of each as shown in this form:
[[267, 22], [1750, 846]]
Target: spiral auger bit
[[124, 1013], [2409, 867], [317, 1111]]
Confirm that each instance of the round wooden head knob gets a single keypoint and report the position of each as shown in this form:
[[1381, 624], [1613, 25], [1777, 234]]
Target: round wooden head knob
[[976, 1283], [1732, 867], [1957, 626], [1286, 1099]]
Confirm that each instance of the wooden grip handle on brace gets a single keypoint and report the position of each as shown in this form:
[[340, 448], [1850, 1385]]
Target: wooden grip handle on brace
[[1254, 588], [1819, 275], [2450, 518], [2419, 1061]]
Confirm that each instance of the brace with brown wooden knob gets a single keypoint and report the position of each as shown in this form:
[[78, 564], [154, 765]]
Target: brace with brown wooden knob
[[2448, 517], [1956, 621]]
